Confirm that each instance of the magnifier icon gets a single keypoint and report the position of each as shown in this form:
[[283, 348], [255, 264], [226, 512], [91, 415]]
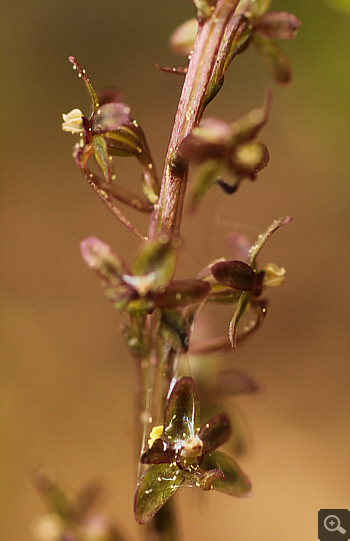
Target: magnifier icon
[[332, 524]]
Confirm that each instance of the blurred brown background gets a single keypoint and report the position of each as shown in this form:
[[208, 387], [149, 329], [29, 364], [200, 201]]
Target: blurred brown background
[[66, 376]]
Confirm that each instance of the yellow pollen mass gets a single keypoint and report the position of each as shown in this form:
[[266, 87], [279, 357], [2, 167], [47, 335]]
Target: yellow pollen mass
[[155, 434]]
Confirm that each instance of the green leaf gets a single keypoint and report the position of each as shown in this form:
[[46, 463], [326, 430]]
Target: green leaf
[[236, 482], [255, 249], [274, 59], [181, 417], [157, 485]]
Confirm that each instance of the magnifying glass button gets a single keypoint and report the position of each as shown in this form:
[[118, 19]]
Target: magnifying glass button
[[332, 524]]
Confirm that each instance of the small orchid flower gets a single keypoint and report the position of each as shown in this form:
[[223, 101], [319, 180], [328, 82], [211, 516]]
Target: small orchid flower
[[251, 23], [245, 278], [148, 286], [180, 452], [267, 27], [70, 519], [219, 148], [110, 131]]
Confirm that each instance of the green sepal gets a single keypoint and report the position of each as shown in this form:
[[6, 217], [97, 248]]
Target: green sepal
[[235, 40], [120, 296], [222, 294], [101, 155], [242, 306], [181, 293], [236, 482], [204, 9], [156, 260], [157, 485], [140, 307], [134, 337], [123, 142], [255, 249], [259, 7], [274, 59], [247, 127], [83, 76], [181, 416], [205, 178], [55, 498], [175, 330]]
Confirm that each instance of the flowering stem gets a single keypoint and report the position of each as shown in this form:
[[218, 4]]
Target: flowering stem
[[168, 212]]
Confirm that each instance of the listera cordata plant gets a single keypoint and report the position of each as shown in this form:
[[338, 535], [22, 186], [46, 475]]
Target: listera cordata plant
[[176, 450]]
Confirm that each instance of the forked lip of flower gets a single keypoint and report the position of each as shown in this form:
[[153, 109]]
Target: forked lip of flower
[[73, 121]]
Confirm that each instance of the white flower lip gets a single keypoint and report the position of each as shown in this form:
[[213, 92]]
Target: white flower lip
[[192, 448], [73, 121], [274, 275]]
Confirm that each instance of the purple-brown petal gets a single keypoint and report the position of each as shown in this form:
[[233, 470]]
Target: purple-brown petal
[[181, 293], [110, 117], [215, 432], [232, 382], [236, 274], [159, 453], [277, 25], [108, 95], [211, 139]]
